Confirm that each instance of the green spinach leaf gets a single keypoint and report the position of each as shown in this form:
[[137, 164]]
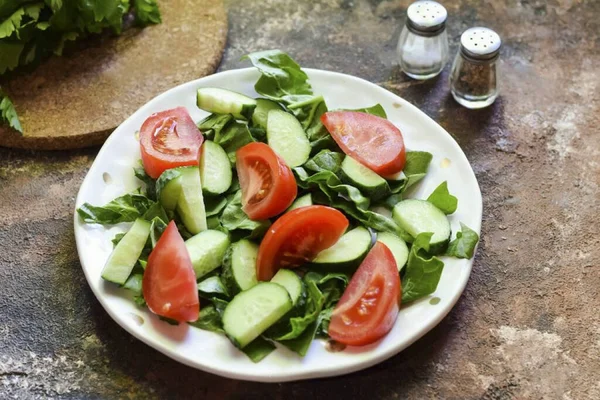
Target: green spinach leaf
[[126, 208], [423, 271], [325, 160], [281, 78], [234, 218], [442, 199], [463, 246]]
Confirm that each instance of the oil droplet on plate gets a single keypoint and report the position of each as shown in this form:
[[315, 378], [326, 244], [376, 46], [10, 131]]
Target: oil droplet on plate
[[445, 163], [434, 301], [107, 178], [139, 321], [396, 105], [137, 135]]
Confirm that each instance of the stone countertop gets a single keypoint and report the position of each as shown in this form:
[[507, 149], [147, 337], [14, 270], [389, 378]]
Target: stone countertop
[[527, 325]]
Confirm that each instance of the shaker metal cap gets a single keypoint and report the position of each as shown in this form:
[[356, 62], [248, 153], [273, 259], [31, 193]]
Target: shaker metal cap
[[426, 17], [480, 43]]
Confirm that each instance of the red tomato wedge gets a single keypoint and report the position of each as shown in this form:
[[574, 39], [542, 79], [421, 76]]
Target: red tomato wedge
[[169, 139], [169, 283], [373, 141], [370, 304], [297, 237], [268, 184]]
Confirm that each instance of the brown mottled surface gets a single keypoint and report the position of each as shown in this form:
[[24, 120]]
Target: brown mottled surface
[[76, 101], [527, 326]]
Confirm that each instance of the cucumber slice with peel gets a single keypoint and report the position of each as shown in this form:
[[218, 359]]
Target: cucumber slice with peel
[[415, 216], [253, 311], [347, 254], [286, 136], [215, 169], [207, 250], [223, 101], [123, 258], [397, 246]]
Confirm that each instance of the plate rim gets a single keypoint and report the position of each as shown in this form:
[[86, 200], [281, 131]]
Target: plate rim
[[312, 374]]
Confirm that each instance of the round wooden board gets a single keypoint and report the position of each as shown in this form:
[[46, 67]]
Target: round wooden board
[[76, 101]]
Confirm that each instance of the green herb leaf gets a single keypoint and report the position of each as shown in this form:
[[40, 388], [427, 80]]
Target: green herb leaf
[[209, 319], [213, 287], [463, 246], [442, 199], [325, 160], [157, 227], [8, 113], [233, 136], [258, 349], [281, 79], [423, 271], [377, 110], [214, 205], [146, 12], [150, 184], [415, 168], [234, 218], [323, 292], [126, 208]]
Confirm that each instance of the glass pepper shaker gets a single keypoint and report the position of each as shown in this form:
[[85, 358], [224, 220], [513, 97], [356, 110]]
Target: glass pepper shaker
[[423, 44], [474, 78]]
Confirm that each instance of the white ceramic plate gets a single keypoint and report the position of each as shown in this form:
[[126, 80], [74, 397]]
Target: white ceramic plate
[[111, 175]]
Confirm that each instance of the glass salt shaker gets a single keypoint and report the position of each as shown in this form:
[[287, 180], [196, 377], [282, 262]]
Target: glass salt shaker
[[423, 44], [474, 78]]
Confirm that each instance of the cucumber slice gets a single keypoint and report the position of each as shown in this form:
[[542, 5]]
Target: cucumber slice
[[207, 250], [291, 282], [123, 258], [347, 254], [222, 101], [168, 187], [356, 174], [303, 201], [286, 136], [253, 311], [215, 169], [417, 216], [239, 266], [190, 204], [397, 246], [263, 106]]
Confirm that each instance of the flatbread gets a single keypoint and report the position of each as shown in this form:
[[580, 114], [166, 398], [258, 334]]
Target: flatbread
[[76, 101]]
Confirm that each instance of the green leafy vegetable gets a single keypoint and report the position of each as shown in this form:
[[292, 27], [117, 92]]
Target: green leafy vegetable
[[258, 349], [323, 291], [463, 246], [209, 319], [377, 110], [115, 241], [32, 31], [281, 77], [232, 136], [415, 168], [122, 209], [214, 205], [442, 199], [146, 12], [214, 123], [234, 218], [150, 184], [213, 287], [325, 160], [157, 227], [7, 109], [423, 271]]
